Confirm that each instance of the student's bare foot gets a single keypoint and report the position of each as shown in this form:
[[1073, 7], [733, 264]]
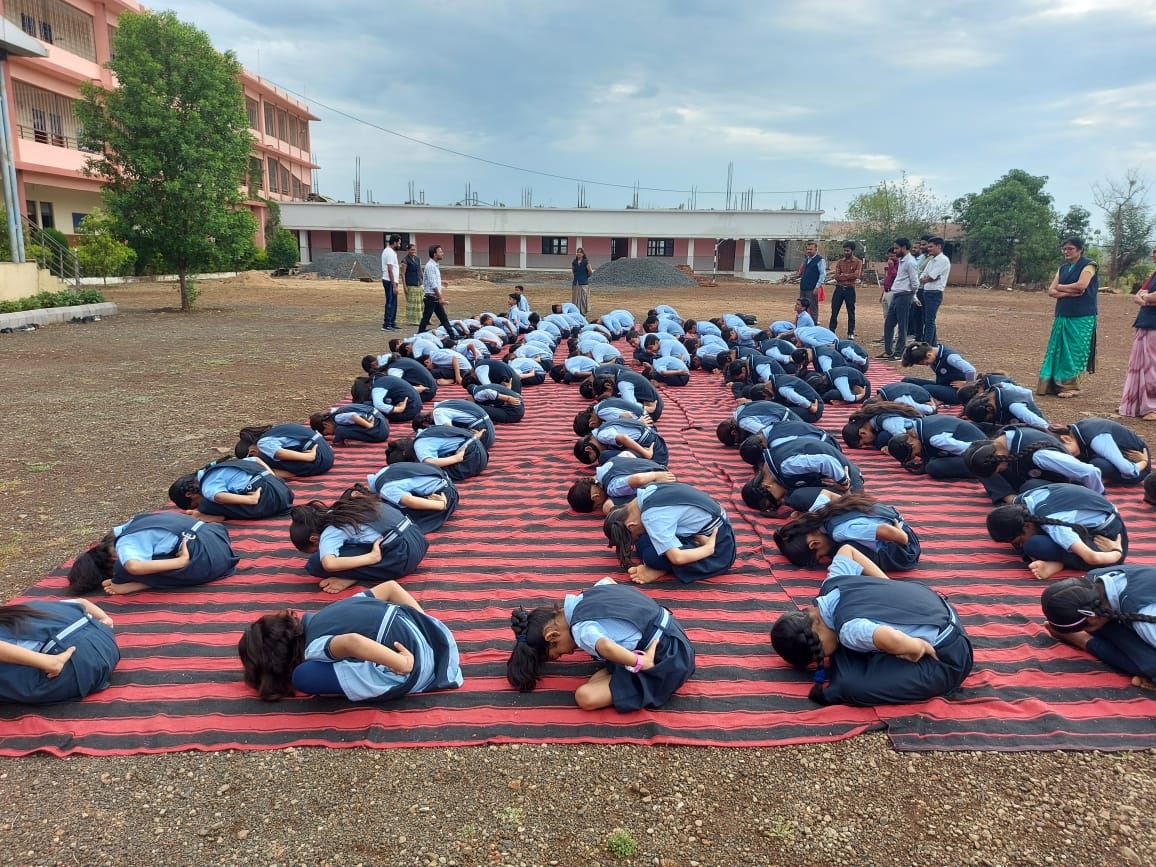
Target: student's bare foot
[[645, 574], [1044, 569], [123, 589], [1143, 683], [336, 585]]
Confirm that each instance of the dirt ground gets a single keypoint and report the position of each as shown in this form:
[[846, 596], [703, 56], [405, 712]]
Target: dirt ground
[[101, 417]]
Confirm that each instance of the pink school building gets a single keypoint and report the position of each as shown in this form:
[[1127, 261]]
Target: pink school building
[[42, 93]]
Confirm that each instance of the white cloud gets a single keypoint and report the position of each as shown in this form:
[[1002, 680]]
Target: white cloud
[[1114, 108], [1067, 10]]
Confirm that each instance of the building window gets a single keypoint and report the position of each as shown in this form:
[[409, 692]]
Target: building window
[[282, 126], [44, 116], [47, 220], [303, 135], [55, 22], [285, 186], [339, 242], [660, 247], [256, 175], [274, 176], [270, 120], [555, 246], [251, 110], [77, 219], [293, 132]]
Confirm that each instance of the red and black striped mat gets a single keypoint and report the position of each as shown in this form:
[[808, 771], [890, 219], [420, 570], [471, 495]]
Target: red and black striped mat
[[513, 541]]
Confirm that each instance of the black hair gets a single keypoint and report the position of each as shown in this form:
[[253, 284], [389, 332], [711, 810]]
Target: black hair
[[270, 648], [13, 615], [980, 408], [791, 538], [318, 420], [182, 488], [433, 248], [362, 389], [530, 648], [850, 245], [821, 382], [1069, 603], [851, 432], [728, 432], [1150, 490], [1006, 522], [805, 303], [759, 498], [736, 371], [309, 519], [983, 462], [794, 639], [586, 388], [421, 421], [935, 239], [469, 377], [557, 372], [586, 450], [1075, 241], [93, 567], [584, 421], [916, 353], [902, 242], [369, 363], [616, 531], [579, 496], [966, 393], [248, 437], [899, 447], [751, 449], [394, 239], [400, 451]]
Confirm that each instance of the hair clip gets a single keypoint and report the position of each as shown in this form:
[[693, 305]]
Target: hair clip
[[1086, 612], [521, 639], [820, 676]]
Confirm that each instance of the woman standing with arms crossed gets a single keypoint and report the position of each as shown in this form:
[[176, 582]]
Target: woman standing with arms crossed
[[1072, 345], [580, 288], [1139, 400], [413, 291]]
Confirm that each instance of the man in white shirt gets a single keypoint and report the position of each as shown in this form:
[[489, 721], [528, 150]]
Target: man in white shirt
[[902, 294], [934, 280], [433, 299], [389, 281]]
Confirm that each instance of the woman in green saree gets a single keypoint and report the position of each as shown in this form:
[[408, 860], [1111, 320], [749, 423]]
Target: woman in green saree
[[1072, 345]]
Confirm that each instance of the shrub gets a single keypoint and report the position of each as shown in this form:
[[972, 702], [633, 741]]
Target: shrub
[[282, 249], [48, 300]]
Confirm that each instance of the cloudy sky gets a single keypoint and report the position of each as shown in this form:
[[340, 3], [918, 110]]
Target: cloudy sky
[[798, 94]]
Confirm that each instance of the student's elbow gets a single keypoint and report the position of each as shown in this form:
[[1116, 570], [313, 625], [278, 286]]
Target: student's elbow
[[134, 567]]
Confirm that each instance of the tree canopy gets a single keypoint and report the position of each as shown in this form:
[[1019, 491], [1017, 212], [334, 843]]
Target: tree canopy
[[1129, 220], [894, 210], [1010, 225], [173, 146]]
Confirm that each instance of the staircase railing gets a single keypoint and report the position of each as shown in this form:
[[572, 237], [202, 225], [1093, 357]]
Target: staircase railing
[[56, 258]]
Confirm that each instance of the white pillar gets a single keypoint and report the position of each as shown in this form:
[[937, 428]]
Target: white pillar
[[358, 247], [633, 248], [577, 243], [690, 252], [522, 253], [746, 256], [413, 240], [469, 254]]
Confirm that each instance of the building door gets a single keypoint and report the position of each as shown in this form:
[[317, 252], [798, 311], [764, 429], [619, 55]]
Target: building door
[[339, 242], [619, 248], [780, 256], [459, 250], [726, 254], [497, 251]]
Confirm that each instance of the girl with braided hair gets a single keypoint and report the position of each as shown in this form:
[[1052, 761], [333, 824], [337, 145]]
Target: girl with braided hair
[[1111, 614], [646, 656], [874, 641], [358, 538], [675, 530], [358, 422], [935, 445], [1122, 456], [876, 422], [1003, 404], [290, 450], [952, 371], [378, 645], [1018, 459], [1057, 527], [809, 539]]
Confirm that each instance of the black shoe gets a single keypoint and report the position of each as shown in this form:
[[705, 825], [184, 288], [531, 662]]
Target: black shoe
[[385, 328], [885, 355]]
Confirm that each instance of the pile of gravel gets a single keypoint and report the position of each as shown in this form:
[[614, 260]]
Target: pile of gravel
[[345, 266], [643, 273]]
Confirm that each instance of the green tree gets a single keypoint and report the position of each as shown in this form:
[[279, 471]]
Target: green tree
[[1077, 223], [173, 142], [1010, 226], [101, 253], [1129, 221], [894, 210], [282, 249]]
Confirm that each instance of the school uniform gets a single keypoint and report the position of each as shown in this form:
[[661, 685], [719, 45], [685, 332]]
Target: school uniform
[[636, 387], [574, 369], [158, 536], [1074, 505], [670, 370], [618, 322], [816, 335], [672, 515], [416, 374], [1014, 404], [298, 438], [944, 439], [915, 396], [242, 477], [402, 550], [527, 372], [788, 430], [844, 380], [1129, 647], [854, 605], [854, 354], [501, 372], [466, 415], [949, 366], [345, 428], [393, 482], [436, 663], [886, 425], [386, 392], [757, 416], [1047, 464], [803, 463], [858, 529], [614, 475], [489, 399], [441, 441], [781, 351], [795, 393], [645, 435], [825, 358], [1102, 442], [55, 627], [612, 409]]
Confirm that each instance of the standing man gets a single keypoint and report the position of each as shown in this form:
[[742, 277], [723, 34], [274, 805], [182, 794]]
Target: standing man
[[812, 275], [413, 291], [847, 271], [580, 288], [390, 282], [432, 297], [936, 269], [888, 281], [915, 317], [902, 294]]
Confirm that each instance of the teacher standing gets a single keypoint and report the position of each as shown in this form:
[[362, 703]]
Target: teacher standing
[[1139, 400], [580, 288], [1072, 345]]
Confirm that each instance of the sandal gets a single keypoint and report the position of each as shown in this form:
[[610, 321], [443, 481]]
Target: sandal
[[1065, 395]]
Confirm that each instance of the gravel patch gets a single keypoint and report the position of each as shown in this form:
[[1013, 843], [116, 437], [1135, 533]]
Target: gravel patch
[[639, 274], [344, 266]]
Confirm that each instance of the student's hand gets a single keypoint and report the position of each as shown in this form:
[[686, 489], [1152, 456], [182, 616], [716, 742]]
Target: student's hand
[[400, 405], [53, 663], [919, 650], [375, 553], [183, 556], [1135, 456], [707, 540], [441, 498], [405, 666], [512, 400], [311, 454], [254, 498], [460, 454], [665, 477], [648, 655], [1108, 543]]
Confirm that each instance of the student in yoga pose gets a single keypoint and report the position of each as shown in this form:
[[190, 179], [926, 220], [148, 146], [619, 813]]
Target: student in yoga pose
[[424, 493], [646, 655], [154, 551], [359, 422], [1057, 527], [379, 645], [615, 483], [288, 449], [810, 539], [874, 641], [244, 490], [54, 651]]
